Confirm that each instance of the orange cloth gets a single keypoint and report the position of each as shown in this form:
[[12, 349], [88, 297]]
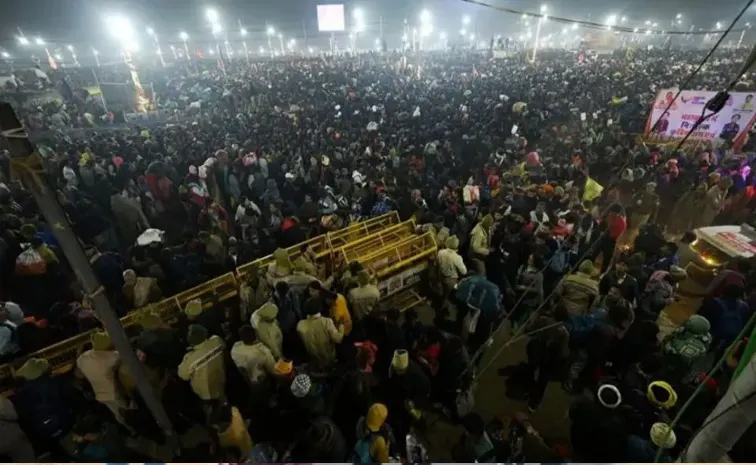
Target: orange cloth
[[340, 314]]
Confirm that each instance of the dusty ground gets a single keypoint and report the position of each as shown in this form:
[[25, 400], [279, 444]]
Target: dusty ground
[[551, 418]]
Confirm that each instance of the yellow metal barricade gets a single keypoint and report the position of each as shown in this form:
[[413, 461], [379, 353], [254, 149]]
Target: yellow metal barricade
[[376, 241], [399, 268], [354, 232], [323, 245]]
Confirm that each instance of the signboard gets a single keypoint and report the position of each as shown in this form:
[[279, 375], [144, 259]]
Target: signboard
[[404, 279], [730, 124], [331, 18], [737, 242]]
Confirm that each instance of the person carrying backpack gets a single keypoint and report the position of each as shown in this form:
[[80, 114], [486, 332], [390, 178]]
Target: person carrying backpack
[[373, 437]]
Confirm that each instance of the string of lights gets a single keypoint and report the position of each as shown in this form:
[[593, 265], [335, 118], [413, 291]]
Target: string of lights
[[593, 24]]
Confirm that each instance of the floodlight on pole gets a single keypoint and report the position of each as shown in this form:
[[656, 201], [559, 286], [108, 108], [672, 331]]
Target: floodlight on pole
[[212, 15], [425, 17], [271, 31], [544, 8]]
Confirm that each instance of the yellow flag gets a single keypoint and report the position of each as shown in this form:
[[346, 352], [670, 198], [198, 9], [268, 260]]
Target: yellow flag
[[592, 190]]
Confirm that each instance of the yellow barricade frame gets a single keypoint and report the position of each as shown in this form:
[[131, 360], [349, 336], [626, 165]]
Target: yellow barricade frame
[[62, 355]]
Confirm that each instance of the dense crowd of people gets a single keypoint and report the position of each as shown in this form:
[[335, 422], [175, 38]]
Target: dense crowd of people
[[496, 157]]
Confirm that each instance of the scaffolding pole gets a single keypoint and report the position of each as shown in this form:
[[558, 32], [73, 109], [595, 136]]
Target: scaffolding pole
[[28, 168], [729, 420]]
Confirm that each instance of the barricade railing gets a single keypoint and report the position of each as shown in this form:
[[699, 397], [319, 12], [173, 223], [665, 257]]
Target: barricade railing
[[384, 234]]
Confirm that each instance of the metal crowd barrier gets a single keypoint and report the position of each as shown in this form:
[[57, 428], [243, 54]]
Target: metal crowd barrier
[[62, 355]]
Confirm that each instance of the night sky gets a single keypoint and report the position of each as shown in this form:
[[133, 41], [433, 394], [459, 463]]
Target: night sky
[[79, 22]]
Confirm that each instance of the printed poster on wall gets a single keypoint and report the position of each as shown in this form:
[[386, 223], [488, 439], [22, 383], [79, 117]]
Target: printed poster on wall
[[730, 124]]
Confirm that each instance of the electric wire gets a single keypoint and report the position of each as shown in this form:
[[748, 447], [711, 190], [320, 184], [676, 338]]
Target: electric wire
[[547, 299], [595, 25], [700, 387]]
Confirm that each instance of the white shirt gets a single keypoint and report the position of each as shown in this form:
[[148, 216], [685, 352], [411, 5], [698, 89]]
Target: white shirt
[[255, 361], [537, 219]]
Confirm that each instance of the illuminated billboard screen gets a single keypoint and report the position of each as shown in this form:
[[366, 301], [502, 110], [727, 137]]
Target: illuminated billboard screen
[[331, 18]]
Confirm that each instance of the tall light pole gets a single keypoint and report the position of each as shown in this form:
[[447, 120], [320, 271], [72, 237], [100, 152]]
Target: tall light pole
[[243, 33], [280, 40], [97, 56], [359, 26], [151, 33], [73, 54], [426, 26], [538, 31], [185, 39], [270, 31], [742, 34]]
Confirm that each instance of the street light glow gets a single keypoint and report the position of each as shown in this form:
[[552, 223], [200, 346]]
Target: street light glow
[[216, 28], [426, 29], [463, 32], [244, 32], [150, 31], [70, 48], [95, 52], [425, 17], [358, 14], [466, 19], [39, 41], [6, 55], [611, 20], [212, 15], [543, 8], [679, 16], [271, 30], [120, 28], [574, 26], [623, 19], [23, 40], [183, 35]]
